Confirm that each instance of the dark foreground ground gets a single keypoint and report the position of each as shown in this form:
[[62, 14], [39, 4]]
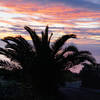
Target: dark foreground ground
[[72, 91]]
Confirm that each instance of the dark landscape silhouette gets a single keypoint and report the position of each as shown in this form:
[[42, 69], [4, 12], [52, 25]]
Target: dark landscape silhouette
[[44, 66]]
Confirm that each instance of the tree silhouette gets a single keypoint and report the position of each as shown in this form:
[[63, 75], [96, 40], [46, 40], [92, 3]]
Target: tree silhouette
[[90, 76], [44, 65]]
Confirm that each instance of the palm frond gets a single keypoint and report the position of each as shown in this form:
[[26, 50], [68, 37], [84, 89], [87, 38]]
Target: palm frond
[[60, 42], [61, 55], [80, 59], [46, 35], [7, 52], [72, 48], [50, 38], [3, 51], [8, 65], [45, 38], [86, 57], [76, 58], [17, 49], [18, 40], [36, 39], [13, 39]]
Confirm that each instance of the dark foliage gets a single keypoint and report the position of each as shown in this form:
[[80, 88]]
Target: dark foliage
[[70, 76], [90, 76], [43, 66]]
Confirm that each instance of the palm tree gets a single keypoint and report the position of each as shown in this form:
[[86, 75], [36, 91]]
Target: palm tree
[[43, 65]]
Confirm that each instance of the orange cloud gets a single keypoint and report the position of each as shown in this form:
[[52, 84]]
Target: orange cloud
[[27, 37], [94, 31], [8, 22], [59, 11], [54, 15]]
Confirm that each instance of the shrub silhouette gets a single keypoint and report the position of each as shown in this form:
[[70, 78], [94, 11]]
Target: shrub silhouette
[[44, 65], [90, 76]]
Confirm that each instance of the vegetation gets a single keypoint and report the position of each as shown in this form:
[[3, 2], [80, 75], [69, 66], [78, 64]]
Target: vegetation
[[71, 77], [43, 65], [90, 76]]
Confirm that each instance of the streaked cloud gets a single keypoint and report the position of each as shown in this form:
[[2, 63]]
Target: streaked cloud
[[80, 17]]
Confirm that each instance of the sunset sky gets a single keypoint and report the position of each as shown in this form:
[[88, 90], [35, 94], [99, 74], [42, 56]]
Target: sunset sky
[[80, 17]]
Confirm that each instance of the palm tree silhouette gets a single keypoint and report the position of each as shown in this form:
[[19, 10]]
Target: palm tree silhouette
[[43, 65]]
